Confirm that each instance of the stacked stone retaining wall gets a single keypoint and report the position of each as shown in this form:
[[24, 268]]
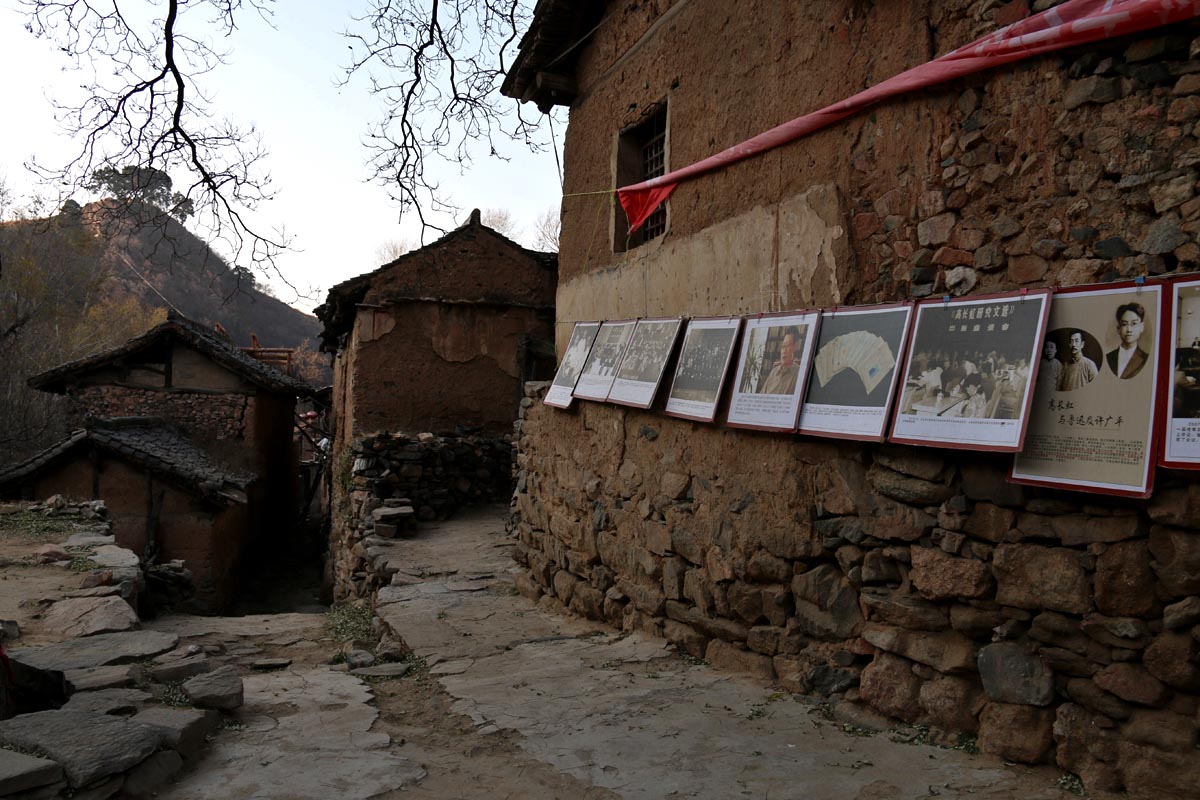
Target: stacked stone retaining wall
[[433, 475], [916, 583]]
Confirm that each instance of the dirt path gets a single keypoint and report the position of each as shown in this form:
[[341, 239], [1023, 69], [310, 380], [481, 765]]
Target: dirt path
[[507, 701]]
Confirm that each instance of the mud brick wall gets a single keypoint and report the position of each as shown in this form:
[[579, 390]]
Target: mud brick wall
[[435, 474], [204, 415], [1057, 627]]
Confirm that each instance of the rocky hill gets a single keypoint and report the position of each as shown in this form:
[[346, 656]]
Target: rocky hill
[[89, 278]]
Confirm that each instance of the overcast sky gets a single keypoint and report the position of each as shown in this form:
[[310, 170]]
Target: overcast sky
[[282, 80]]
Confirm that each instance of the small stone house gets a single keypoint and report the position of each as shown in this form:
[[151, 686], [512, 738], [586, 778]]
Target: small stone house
[[442, 337], [166, 497], [205, 415]]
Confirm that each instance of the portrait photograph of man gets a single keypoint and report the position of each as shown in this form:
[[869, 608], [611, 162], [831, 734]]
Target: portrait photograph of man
[[1127, 360]]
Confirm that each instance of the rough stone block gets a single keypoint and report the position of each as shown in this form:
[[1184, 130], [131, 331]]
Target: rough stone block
[[219, 689], [952, 703], [1087, 746], [729, 657], [991, 522], [1154, 774], [889, 685], [1133, 683], [906, 611], [1176, 554], [1174, 658], [1011, 674], [685, 638], [826, 604], [945, 651], [937, 575], [1124, 581], [1016, 732], [1031, 576], [1183, 614]]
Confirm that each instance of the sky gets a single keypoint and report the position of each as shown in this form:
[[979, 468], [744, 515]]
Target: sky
[[282, 79]]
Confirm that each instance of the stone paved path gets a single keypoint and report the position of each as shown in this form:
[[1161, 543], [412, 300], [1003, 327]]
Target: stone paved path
[[515, 702]]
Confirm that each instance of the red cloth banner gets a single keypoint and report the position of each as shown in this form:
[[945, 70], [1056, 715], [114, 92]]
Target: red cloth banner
[[1073, 23]]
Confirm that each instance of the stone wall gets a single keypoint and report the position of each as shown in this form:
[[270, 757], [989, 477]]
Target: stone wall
[[204, 415], [387, 482], [915, 583]]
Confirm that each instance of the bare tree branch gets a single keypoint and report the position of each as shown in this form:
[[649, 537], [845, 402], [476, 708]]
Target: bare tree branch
[[437, 66], [140, 107]]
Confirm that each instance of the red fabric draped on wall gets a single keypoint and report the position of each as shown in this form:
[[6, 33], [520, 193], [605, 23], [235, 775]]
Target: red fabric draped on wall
[[1073, 23]]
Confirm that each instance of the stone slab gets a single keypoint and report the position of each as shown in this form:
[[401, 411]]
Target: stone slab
[[183, 729], [108, 701], [97, 651], [91, 679], [88, 616], [110, 555], [88, 746], [19, 772]]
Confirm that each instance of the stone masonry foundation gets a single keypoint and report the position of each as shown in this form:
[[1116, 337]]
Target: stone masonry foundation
[[1056, 627]]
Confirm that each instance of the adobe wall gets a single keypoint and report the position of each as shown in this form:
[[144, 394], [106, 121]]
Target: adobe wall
[[910, 582], [472, 263], [208, 539], [432, 366]]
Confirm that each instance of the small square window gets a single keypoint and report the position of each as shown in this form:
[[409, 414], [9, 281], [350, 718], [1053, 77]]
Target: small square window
[[641, 154]]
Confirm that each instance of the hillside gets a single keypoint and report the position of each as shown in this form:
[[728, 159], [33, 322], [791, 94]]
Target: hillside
[[92, 277]]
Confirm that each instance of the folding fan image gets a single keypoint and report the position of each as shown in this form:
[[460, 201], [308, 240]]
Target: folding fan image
[[861, 351]]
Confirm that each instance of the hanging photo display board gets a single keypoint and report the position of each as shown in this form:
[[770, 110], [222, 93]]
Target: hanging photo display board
[[700, 372], [600, 369], [969, 371], [854, 372], [645, 360], [772, 370], [559, 394], [1181, 439], [1092, 425]]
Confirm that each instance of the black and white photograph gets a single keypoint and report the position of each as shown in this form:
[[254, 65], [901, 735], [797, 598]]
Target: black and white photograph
[[600, 369], [969, 370], [645, 360], [855, 372], [772, 370], [703, 363], [1093, 420], [560, 393], [1181, 444]]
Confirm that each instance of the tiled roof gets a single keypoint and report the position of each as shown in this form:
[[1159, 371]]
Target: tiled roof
[[202, 339], [151, 444]]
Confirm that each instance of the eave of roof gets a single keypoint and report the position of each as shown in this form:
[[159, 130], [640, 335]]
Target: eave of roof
[[256, 372], [544, 69], [153, 445]]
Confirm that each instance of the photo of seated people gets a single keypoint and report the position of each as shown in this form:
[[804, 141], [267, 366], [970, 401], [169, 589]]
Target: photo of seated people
[[969, 383]]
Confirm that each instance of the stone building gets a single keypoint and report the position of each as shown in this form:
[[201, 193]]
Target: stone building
[[906, 582], [441, 337], [189, 442]]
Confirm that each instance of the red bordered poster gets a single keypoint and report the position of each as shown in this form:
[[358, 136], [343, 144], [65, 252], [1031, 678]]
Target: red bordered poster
[[772, 370], [1093, 421], [855, 371], [645, 361], [559, 394], [700, 371], [1180, 377], [969, 371]]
